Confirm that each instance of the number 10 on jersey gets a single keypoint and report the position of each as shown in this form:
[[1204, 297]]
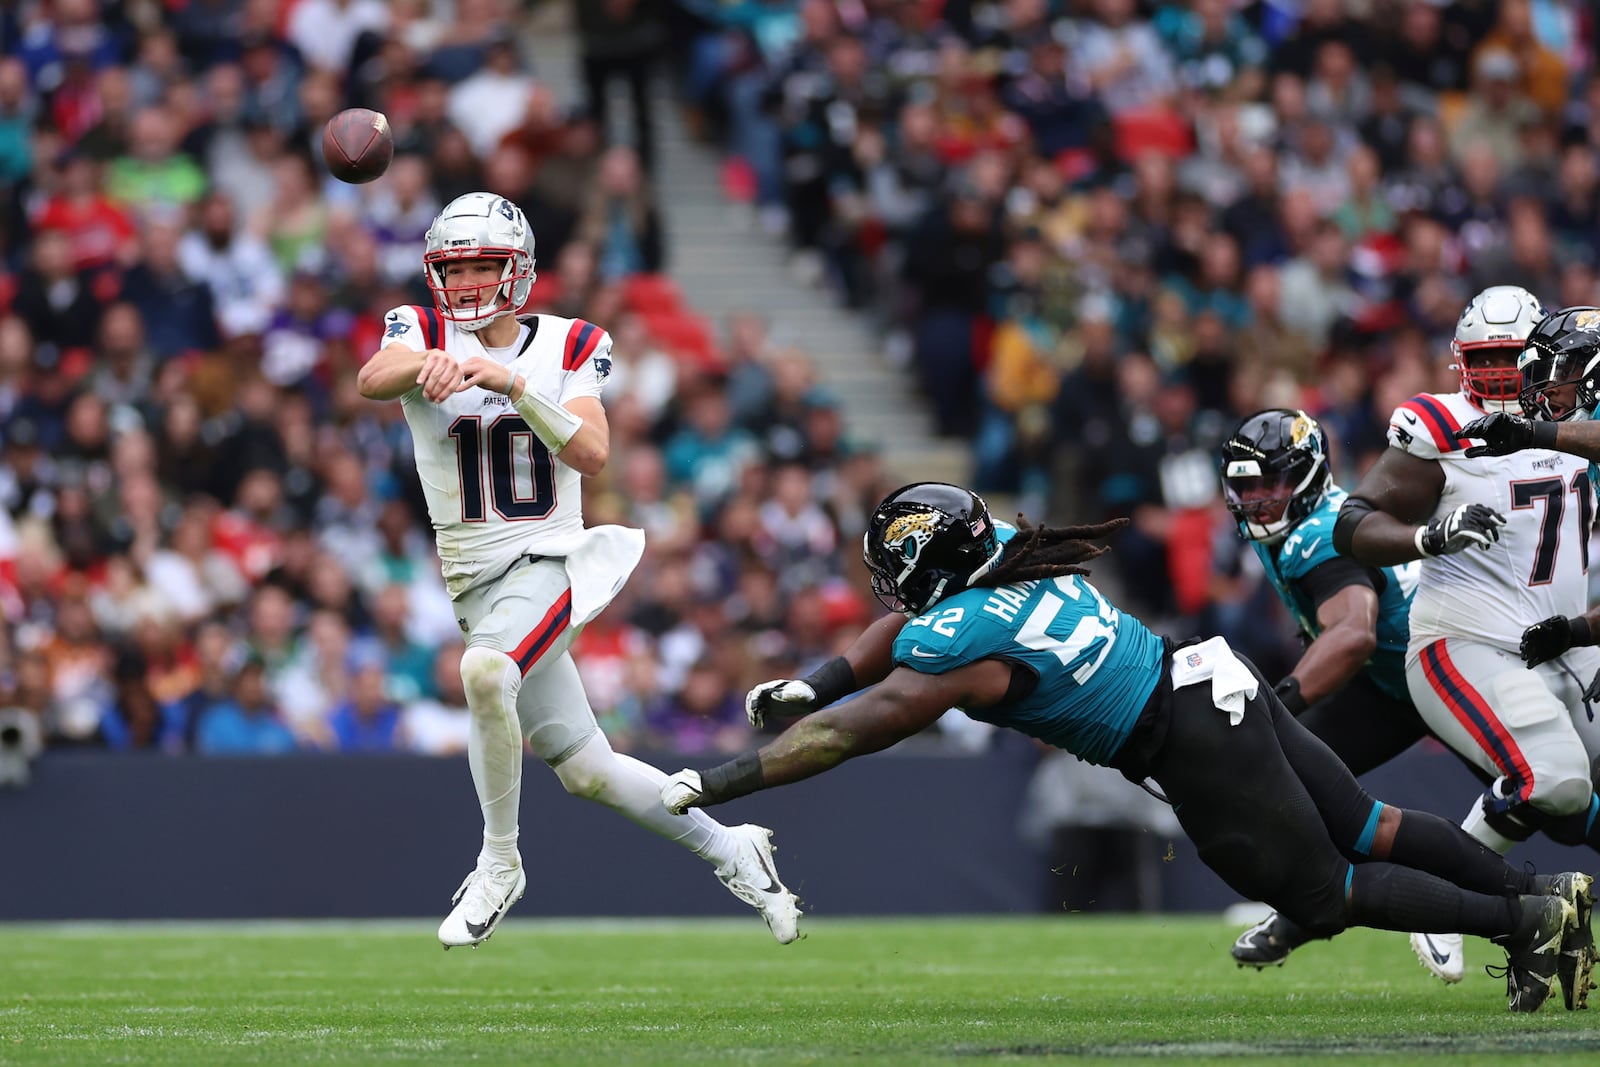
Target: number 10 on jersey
[[490, 454]]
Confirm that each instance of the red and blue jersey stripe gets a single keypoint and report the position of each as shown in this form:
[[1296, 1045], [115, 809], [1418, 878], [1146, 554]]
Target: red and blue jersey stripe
[[1441, 425], [582, 339], [432, 325]]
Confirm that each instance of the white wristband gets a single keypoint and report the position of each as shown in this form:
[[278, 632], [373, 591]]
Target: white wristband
[[1423, 552], [551, 423]]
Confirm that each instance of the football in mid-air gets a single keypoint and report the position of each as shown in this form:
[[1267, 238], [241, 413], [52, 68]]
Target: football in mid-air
[[357, 145]]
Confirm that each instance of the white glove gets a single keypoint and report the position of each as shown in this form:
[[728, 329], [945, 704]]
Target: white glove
[[799, 698], [680, 792]]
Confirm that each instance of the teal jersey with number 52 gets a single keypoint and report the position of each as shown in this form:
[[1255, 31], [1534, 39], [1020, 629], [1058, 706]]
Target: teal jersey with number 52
[[1096, 666]]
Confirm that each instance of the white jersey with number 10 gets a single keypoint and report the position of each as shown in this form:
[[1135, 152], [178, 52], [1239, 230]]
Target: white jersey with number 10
[[494, 491], [1540, 566]]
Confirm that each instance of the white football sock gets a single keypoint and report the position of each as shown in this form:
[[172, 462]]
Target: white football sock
[[633, 788], [494, 747], [1477, 825]]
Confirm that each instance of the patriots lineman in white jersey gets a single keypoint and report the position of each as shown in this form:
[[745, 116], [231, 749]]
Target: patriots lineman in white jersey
[[506, 416], [1503, 542]]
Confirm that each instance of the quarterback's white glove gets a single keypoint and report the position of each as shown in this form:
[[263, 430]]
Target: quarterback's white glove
[[794, 696], [680, 792]]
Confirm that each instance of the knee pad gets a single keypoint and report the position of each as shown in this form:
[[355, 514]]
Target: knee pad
[[586, 772], [484, 679], [1565, 796]]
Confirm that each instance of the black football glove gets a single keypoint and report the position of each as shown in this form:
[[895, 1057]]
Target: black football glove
[[1468, 526], [1503, 434], [1546, 639]]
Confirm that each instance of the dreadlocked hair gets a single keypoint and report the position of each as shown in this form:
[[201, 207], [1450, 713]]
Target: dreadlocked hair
[[1039, 552]]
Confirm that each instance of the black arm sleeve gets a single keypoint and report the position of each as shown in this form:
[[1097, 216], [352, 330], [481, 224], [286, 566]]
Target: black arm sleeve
[[1351, 512], [1321, 582]]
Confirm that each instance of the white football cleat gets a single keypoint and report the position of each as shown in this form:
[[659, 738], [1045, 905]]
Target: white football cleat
[[480, 904], [752, 876], [1443, 954]]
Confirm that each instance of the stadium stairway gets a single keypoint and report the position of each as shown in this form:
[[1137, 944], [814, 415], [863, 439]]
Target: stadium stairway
[[723, 262]]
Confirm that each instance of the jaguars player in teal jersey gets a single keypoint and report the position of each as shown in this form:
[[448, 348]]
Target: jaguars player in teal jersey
[[1349, 687], [1560, 398], [1010, 630]]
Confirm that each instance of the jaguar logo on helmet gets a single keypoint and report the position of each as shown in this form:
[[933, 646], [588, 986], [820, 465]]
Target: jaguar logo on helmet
[[1302, 428], [909, 534], [1587, 321]]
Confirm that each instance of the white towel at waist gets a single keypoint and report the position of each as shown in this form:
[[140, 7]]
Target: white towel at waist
[[1232, 683]]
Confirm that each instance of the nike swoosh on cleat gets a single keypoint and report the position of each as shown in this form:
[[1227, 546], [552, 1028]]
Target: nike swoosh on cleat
[[1440, 958], [772, 879], [479, 929]]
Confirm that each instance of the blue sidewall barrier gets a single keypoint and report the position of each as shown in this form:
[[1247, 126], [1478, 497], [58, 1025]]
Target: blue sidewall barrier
[[116, 836]]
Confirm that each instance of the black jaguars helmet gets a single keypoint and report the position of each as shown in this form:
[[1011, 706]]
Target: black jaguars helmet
[[1275, 472], [927, 541], [1560, 366]]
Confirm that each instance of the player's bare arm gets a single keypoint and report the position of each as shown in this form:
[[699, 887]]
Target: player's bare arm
[[903, 704], [395, 370], [1349, 623], [867, 661], [1386, 519]]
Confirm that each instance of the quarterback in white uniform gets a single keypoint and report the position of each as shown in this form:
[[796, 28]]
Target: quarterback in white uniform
[[1503, 543], [506, 416]]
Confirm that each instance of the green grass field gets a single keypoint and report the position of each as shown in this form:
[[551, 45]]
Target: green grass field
[[863, 992]]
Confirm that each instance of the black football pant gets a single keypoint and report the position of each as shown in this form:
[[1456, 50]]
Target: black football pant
[[1275, 813]]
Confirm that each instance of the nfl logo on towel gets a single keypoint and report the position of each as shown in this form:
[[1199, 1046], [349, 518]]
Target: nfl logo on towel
[[1194, 659]]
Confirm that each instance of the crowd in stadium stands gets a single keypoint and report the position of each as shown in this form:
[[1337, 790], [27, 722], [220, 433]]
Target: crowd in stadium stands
[[208, 541], [1125, 225]]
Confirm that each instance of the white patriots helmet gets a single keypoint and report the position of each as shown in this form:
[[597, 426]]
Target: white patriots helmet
[[1501, 317], [480, 226]]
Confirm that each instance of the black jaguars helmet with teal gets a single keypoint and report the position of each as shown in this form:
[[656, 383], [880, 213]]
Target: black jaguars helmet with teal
[[1560, 366], [1275, 472], [927, 541]]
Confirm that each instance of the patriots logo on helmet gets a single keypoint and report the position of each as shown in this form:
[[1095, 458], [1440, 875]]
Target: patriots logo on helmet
[[505, 208], [397, 326], [909, 533]]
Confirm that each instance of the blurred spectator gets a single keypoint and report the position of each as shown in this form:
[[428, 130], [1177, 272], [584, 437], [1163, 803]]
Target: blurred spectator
[[492, 102], [620, 39], [326, 32], [706, 716], [619, 220], [246, 725], [368, 721], [235, 265], [155, 171]]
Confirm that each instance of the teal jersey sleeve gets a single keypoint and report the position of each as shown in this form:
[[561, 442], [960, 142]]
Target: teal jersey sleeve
[[1094, 666], [1310, 545]]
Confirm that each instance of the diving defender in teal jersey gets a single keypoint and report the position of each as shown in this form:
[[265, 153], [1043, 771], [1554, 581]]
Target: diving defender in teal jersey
[[1349, 688], [1009, 630]]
